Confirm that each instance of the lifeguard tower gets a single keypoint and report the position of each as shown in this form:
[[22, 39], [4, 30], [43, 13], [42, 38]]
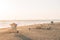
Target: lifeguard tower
[[14, 27]]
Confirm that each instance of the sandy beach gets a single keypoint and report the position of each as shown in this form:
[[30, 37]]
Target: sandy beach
[[32, 32]]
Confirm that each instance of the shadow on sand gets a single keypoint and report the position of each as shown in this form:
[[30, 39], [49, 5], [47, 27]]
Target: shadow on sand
[[22, 37]]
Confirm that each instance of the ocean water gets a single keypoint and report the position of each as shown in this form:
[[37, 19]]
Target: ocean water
[[6, 24]]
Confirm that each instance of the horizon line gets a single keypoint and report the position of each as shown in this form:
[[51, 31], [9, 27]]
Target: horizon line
[[34, 20]]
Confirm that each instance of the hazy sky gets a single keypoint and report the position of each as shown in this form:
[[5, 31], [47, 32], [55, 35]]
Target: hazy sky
[[29, 9]]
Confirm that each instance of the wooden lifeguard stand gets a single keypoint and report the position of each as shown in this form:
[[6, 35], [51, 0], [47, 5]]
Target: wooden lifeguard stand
[[14, 27]]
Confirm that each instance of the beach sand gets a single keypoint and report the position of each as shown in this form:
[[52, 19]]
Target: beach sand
[[32, 32]]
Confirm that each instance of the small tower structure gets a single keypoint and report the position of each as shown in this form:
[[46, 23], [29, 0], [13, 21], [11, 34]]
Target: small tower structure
[[14, 27]]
